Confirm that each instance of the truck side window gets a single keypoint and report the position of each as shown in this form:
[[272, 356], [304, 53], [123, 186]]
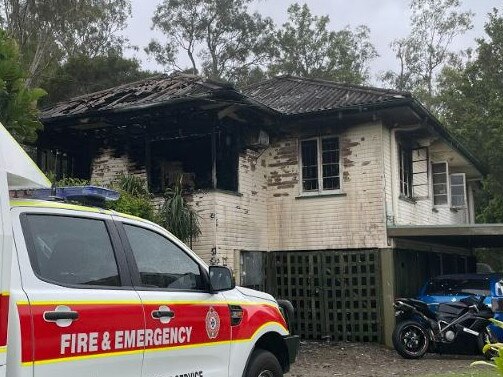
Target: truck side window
[[161, 263], [71, 250]]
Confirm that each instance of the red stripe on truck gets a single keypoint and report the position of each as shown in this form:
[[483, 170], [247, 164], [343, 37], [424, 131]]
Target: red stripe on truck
[[113, 329], [4, 318]]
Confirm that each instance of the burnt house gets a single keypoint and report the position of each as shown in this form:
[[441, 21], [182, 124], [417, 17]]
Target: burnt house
[[337, 197]]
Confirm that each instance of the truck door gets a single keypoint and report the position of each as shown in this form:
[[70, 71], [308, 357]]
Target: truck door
[[187, 329], [80, 300], [17, 172], [5, 259]]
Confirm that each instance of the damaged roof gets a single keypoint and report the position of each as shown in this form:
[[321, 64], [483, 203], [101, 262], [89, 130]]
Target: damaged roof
[[285, 95], [160, 89], [291, 95]]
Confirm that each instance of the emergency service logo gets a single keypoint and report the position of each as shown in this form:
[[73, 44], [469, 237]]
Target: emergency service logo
[[212, 323]]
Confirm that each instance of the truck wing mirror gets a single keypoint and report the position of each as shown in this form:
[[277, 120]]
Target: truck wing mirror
[[221, 279]]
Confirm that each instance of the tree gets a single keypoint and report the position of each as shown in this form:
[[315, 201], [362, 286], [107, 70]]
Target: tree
[[220, 39], [18, 104], [306, 47], [471, 101], [434, 26], [82, 74], [50, 31]]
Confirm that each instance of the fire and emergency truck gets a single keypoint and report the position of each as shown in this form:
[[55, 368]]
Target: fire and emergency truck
[[87, 292]]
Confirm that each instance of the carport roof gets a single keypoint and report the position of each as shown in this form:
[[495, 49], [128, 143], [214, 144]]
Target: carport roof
[[461, 235]]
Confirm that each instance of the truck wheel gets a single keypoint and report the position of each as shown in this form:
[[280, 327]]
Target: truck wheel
[[263, 364], [411, 339]]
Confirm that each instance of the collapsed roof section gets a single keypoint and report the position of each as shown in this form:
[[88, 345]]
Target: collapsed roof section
[[154, 91]]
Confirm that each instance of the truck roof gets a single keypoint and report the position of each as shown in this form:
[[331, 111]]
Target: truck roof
[[73, 207]]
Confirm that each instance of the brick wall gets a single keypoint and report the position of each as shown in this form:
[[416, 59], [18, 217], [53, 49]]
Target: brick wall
[[109, 164]]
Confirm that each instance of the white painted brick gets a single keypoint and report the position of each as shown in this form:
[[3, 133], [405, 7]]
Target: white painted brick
[[106, 167]]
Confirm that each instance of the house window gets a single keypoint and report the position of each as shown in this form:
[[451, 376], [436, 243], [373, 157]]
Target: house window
[[320, 164], [405, 160], [458, 190], [440, 184]]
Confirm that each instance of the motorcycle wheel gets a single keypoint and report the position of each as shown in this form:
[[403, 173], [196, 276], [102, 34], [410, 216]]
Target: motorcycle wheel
[[411, 339], [487, 337]]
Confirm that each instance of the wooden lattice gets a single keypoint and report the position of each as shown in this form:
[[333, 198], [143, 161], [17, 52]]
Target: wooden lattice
[[336, 294]]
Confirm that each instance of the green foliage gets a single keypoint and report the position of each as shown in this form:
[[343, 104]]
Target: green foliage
[[135, 199], [69, 181], [133, 185], [177, 216], [494, 347], [305, 47], [50, 31], [140, 206], [470, 102], [82, 74], [18, 104], [220, 37], [434, 26]]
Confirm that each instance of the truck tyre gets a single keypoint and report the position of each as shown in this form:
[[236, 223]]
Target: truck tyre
[[411, 339], [263, 364]]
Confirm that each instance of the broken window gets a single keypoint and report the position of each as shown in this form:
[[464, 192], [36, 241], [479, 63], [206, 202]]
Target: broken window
[[320, 160], [405, 161], [201, 162], [61, 164]]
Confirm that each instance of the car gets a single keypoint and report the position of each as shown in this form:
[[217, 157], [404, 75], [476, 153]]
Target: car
[[452, 288], [85, 291]]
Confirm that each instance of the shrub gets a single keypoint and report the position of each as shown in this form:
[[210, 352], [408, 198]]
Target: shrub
[[497, 348], [177, 216], [135, 199]]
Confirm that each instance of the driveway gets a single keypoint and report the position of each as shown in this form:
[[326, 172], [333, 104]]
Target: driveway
[[372, 360]]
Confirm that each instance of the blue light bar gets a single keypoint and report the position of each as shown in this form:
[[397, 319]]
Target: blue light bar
[[77, 193]]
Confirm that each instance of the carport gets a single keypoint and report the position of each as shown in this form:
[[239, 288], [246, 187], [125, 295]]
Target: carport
[[419, 252], [424, 251], [470, 236]]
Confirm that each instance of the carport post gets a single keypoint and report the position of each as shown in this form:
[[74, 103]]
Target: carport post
[[388, 294]]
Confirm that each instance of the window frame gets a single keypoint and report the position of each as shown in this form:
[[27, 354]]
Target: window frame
[[465, 204], [319, 151], [133, 267], [448, 184], [403, 178], [120, 258]]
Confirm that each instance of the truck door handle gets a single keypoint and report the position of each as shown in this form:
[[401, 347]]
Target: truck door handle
[[162, 314], [58, 315]]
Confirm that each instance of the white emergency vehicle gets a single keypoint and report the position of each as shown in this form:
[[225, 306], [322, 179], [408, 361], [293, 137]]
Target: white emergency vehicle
[[87, 292]]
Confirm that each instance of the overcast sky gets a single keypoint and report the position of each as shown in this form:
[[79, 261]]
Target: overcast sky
[[387, 19]]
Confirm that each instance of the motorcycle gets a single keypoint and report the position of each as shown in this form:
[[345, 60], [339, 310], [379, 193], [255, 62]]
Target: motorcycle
[[419, 329]]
